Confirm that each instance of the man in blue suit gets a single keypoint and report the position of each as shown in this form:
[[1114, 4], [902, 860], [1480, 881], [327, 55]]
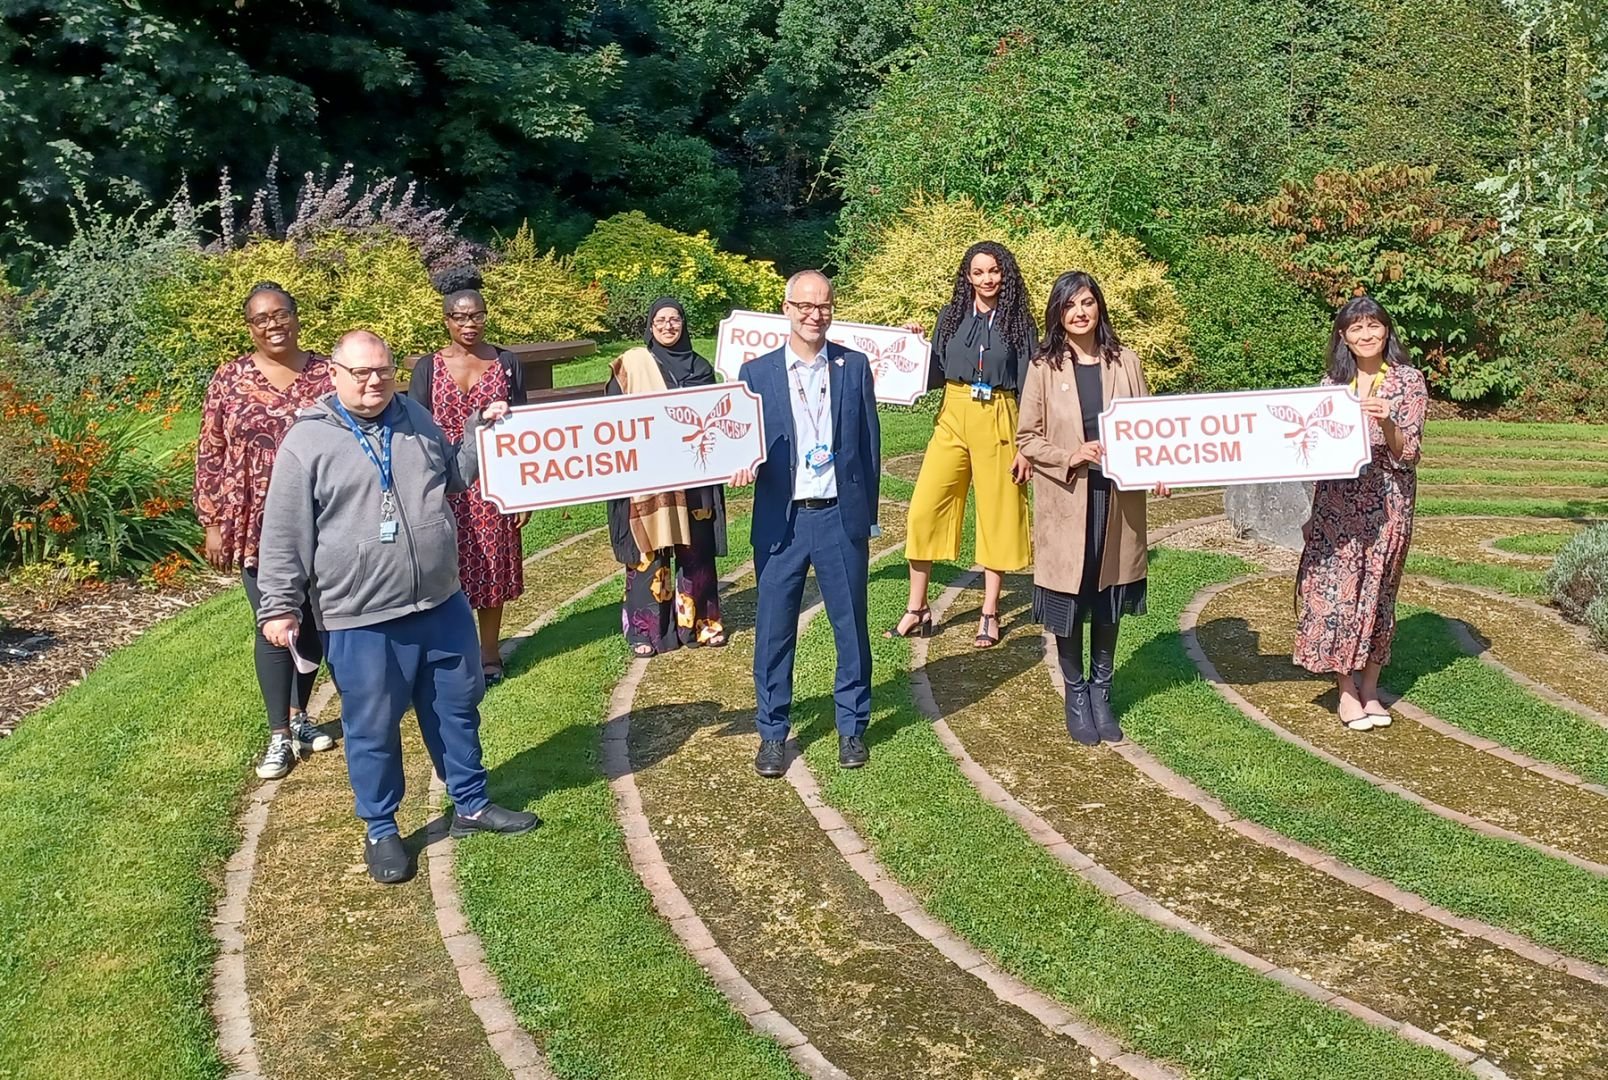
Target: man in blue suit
[[815, 504]]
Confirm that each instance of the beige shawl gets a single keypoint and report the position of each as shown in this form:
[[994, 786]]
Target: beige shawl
[[658, 521]]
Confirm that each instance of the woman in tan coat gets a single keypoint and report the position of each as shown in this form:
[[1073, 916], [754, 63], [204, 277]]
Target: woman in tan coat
[[1088, 538]]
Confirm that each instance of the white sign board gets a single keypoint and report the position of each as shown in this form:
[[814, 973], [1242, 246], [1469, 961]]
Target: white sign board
[[898, 357], [564, 453], [1246, 437]]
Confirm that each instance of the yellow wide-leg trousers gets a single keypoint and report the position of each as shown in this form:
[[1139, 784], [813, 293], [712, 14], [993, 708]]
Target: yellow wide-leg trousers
[[973, 444]]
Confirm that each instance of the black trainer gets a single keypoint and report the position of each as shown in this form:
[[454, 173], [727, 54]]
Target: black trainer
[[387, 860], [771, 761], [852, 752], [497, 819]]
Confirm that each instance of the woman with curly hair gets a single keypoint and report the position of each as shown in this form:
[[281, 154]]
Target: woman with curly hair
[[250, 404], [455, 383], [981, 347]]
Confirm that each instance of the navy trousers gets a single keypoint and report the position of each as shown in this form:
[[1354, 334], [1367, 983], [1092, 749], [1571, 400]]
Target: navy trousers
[[842, 567], [429, 660]]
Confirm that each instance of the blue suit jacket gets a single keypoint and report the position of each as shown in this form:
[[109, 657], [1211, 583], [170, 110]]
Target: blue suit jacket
[[856, 444]]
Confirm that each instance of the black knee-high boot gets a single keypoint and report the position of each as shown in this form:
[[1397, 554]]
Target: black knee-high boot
[[1079, 717], [1102, 662]]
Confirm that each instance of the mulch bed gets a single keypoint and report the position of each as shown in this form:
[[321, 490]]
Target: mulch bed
[[44, 652]]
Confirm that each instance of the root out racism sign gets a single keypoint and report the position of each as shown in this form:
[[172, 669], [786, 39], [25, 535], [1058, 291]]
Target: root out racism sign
[[607, 448], [1251, 437], [898, 357]]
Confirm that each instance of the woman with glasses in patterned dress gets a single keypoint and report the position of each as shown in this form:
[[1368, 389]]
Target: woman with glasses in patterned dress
[[455, 383], [250, 404]]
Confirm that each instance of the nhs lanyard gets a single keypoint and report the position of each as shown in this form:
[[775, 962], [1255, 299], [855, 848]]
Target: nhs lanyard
[[382, 465], [814, 414]]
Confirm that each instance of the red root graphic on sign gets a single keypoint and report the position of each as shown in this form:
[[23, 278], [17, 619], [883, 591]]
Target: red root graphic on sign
[[1308, 428], [707, 427], [880, 359]]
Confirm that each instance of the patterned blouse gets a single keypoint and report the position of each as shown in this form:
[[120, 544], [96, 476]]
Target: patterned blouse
[[242, 423]]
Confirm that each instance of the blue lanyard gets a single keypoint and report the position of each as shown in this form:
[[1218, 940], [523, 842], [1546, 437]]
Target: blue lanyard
[[381, 463]]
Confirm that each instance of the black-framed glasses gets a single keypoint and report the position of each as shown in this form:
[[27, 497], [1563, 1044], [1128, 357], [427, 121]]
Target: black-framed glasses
[[465, 318], [364, 374], [669, 322], [807, 309], [264, 319]]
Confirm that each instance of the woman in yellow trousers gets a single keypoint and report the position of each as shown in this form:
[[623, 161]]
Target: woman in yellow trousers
[[981, 347]]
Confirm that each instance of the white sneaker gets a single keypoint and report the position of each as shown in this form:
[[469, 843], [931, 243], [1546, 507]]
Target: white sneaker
[[281, 754], [307, 734]]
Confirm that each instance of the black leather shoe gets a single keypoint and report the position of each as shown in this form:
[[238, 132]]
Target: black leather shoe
[[1080, 716], [852, 752], [387, 860], [1105, 721], [497, 819], [771, 761]]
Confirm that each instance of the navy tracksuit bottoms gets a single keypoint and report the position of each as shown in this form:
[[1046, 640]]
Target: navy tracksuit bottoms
[[429, 660]]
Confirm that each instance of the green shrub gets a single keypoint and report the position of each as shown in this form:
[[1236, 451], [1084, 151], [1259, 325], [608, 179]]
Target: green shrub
[[88, 318], [1578, 580], [533, 296], [1564, 364], [634, 261], [46, 583], [1249, 326], [911, 271], [75, 478]]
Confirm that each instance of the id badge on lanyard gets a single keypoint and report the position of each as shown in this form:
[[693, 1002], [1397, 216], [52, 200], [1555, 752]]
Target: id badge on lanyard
[[389, 526], [982, 389]]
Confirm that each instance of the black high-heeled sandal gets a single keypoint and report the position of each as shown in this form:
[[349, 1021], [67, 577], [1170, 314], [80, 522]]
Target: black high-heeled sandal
[[922, 627], [983, 640]]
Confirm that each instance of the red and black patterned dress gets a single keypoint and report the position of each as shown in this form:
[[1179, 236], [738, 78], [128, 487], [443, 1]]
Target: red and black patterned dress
[[1351, 567], [490, 562], [242, 423]]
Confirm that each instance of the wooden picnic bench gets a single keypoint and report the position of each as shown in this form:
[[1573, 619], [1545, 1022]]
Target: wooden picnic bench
[[538, 359]]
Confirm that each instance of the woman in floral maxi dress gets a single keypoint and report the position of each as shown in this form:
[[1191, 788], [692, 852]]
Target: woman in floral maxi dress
[[1360, 529]]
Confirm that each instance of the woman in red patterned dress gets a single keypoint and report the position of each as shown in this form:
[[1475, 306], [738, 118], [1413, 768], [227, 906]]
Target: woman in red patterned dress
[[1359, 532], [461, 379], [250, 404]]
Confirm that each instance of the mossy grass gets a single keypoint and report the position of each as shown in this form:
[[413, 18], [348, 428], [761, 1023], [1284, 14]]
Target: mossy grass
[[1432, 671], [1536, 543], [1493, 453], [1163, 993], [1515, 580], [117, 806], [1539, 476], [1586, 434], [1501, 505], [590, 967]]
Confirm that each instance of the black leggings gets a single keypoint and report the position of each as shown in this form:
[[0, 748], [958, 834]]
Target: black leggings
[[1102, 654], [276, 669]]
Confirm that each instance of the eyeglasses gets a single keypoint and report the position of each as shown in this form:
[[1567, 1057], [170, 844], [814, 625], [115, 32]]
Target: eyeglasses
[[464, 318], [808, 309], [364, 374], [669, 323], [263, 320]]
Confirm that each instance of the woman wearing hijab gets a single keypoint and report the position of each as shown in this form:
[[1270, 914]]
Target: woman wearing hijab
[[663, 611], [981, 347]]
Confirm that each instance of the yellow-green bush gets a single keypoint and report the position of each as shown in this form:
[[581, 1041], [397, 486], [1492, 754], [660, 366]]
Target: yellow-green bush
[[635, 260], [341, 281], [912, 271], [532, 296]]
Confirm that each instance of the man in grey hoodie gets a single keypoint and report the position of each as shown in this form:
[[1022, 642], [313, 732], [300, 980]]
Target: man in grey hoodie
[[357, 521]]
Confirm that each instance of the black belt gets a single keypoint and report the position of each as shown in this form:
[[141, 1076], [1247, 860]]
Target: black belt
[[814, 504]]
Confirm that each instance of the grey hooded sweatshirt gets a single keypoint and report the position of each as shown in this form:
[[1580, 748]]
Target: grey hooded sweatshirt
[[321, 522]]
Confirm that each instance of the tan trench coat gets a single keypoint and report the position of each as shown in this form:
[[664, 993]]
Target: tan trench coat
[[1049, 432]]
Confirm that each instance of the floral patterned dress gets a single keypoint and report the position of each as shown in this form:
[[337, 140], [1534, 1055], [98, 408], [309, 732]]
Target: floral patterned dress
[[490, 560], [243, 421], [1351, 567]]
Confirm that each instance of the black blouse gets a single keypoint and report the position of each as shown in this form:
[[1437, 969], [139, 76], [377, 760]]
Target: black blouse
[[1091, 399], [955, 357]]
